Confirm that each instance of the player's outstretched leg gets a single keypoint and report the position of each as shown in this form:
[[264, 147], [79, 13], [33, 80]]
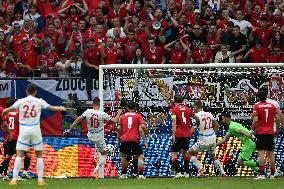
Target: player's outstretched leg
[[101, 164], [191, 153], [217, 163], [27, 162]]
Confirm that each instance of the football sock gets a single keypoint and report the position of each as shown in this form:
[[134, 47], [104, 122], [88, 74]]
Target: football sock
[[186, 164], [17, 167], [251, 164], [101, 165], [39, 168], [141, 170], [135, 166], [219, 166], [6, 167], [262, 170], [123, 168], [27, 162], [272, 169], [195, 162], [176, 165]]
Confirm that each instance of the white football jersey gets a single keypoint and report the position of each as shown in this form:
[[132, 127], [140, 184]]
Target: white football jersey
[[95, 120], [29, 111], [205, 127], [274, 102]]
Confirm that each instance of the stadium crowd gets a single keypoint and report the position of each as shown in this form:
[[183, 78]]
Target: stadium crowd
[[47, 38]]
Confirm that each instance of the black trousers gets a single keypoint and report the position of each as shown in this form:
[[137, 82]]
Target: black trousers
[[90, 74]]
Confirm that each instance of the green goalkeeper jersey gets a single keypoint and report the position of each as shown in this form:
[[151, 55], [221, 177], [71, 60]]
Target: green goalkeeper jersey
[[234, 130]]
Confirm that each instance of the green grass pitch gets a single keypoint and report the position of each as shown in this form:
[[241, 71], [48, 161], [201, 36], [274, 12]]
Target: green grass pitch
[[153, 183]]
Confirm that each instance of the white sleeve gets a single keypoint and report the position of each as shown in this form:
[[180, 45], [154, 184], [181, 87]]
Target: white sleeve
[[43, 104], [249, 24], [106, 117], [17, 104]]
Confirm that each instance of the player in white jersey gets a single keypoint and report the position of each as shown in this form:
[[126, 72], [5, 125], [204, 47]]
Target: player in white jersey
[[29, 129], [95, 124], [207, 138]]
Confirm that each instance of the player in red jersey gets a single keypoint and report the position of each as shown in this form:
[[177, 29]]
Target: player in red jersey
[[6, 133], [181, 133], [13, 125], [128, 132], [263, 123]]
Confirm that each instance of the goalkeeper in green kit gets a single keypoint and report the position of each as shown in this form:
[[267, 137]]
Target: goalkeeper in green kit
[[243, 134]]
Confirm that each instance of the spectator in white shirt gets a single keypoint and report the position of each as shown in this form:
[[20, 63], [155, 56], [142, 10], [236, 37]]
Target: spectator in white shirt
[[243, 24], [116, 23], [63, 66], [31, 14], [223, 56]]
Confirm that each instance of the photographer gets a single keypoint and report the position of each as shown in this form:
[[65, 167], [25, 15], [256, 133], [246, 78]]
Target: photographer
[[76, 65], [10, 65]]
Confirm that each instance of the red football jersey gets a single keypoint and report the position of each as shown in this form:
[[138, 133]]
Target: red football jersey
[[265, 112], [13, 123], [129, 124], [1, 120], [183, 115]]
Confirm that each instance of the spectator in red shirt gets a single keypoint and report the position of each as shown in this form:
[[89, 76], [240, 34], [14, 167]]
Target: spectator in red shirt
[[47, 61], [275, 56], [203, 55], [10, 66], [129, 46], [158, 18], [111, 53], [262, 33], [14, 40], [3, 26], [153, 54], [92, 57], [27, 57], [178, 53], [255, 16], [222, 23], [117, 11], [257, 54], [71, 14]]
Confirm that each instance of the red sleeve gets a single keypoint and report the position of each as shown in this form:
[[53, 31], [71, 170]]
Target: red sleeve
[[191, 113], [255, 110], [173, 111]]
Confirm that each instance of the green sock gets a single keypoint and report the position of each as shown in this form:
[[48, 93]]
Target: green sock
[[251, 164]]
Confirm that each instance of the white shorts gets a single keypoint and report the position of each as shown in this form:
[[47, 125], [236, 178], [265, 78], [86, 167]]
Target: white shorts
[[27, 139], [205, 144], [99, 140]]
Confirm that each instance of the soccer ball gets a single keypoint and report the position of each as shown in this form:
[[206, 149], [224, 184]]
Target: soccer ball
[[110, 149]]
